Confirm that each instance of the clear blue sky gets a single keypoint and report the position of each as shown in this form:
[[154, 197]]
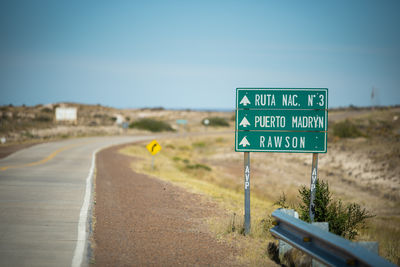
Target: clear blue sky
[[193, 54]]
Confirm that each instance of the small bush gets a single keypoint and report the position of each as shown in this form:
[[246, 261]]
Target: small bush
[[184, 148], [199, 144], [322, 199], [99, 116], [217, 122], [344, 219], [151, 125], [219, 140], [170, 146], [282, 202], [198, 166], [47, 110], [44, 118], [346, 129], [176, 158]]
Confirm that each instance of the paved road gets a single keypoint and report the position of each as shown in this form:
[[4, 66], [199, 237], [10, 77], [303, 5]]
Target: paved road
[[42, 201]]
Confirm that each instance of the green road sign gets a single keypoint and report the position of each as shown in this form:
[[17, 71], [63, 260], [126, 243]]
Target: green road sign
[[296, 120], [280, 141], [281, 98], [281, 120]]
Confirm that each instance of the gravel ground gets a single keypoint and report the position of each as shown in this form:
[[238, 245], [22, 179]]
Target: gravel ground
[[7, 150], [142, 221]]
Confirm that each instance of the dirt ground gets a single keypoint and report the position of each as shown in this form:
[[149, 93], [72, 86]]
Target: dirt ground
[[9, 149], [140, 221]]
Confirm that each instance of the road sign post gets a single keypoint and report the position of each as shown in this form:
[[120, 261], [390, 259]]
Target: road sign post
[[246, 193], [289, 120], [314, 175]]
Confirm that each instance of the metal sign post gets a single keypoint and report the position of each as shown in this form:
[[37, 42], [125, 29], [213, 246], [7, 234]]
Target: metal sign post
[[246, 193], [314, 175]]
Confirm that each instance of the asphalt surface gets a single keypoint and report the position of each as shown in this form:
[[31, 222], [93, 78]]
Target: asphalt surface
[[42, 192]]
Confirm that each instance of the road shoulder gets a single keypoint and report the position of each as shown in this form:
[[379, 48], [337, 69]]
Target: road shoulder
[[144, 221]]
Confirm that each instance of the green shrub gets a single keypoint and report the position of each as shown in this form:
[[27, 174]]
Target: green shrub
[[151, 125], [198, 166], [346, 129], [99, 116], [321, 202], [282, 202], [44, 118], [217, 122], [176, 158], [46, 110], [344, 219], [199, 144]]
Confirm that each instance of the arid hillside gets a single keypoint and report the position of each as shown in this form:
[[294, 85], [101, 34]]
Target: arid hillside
[[37, 123]]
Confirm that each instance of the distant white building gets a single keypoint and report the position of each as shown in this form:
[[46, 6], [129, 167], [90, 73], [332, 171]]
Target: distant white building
[[67, 114]]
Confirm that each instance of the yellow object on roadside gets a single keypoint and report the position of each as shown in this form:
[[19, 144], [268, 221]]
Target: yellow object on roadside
[[153, 147]]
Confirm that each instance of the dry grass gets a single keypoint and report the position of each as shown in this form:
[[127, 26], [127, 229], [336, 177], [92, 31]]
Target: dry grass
[[221, 178], [172, 163]]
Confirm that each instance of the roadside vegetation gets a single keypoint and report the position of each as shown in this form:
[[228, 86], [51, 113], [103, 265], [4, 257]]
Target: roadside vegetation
[[345, 219], [187, 163], [23, 118], [209, 166], [216, 122], [346, 129], [151, 125]]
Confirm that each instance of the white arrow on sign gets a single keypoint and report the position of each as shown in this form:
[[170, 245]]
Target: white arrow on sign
[[244, 122], [244, 142], [245, 101]]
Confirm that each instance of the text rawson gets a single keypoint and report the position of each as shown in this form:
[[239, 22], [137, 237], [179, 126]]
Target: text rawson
[[280, 142]]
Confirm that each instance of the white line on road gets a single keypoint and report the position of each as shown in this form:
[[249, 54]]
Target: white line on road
[[81, 240], [83, 216]]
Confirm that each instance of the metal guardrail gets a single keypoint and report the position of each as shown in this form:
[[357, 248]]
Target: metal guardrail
[[325, 247]]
